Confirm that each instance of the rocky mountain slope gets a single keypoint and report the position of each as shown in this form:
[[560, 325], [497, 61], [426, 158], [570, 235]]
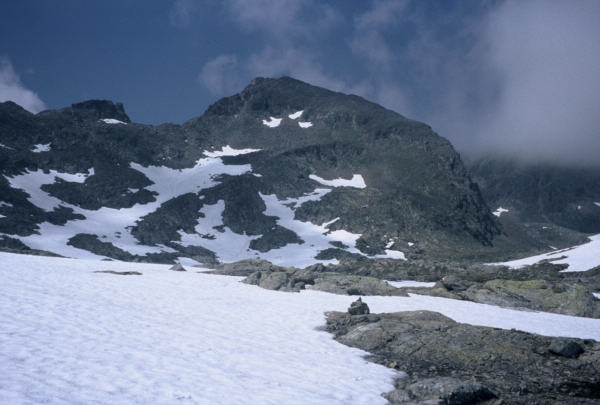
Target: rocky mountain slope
[[283, 170], [544, 204]]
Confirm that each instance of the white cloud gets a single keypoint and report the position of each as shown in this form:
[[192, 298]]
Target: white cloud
[[12, 89], [547, 58], [290, 28], [221, 75], [368, 41], [283, 21], [517, 78]]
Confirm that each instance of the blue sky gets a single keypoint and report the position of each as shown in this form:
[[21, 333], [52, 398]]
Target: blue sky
[[517, 76]]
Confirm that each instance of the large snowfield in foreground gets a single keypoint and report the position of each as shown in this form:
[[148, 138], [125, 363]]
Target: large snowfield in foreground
[[68, 335]]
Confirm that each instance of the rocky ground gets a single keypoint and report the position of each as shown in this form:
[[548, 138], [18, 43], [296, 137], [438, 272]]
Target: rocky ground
[[444, 362], [541, 287]]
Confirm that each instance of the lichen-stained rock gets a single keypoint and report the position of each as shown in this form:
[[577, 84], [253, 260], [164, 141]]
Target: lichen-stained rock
[[444, 359], [541, 295], [295, 280]]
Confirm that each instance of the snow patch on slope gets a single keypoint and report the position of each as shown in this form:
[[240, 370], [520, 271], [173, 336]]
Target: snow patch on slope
[[295, 115], [228, 151], [227, 245], [31, 181], [39, 148], [112, 121], [272, 122], [356, 181], [500, 211], [579, 258], [115, 224], [306, 124]]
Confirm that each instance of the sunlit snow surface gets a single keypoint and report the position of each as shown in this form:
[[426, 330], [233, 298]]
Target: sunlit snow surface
[[306, 124], [356, 181], [69, 335], [578, 258]]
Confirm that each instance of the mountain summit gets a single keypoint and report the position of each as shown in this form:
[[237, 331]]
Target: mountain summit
[[283, 170]]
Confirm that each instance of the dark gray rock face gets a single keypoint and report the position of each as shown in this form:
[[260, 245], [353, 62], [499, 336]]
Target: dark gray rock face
[[447, 362], [417, 188], [546, 194]]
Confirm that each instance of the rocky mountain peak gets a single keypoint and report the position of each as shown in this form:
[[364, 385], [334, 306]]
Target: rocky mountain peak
[[99, 109]]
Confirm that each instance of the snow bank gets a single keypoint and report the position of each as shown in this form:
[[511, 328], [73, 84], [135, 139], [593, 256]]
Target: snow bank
[[356, 181], [578, 258], [306, 124]]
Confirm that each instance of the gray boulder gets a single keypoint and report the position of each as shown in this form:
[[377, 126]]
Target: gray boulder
[[177, 267], [566, 347]]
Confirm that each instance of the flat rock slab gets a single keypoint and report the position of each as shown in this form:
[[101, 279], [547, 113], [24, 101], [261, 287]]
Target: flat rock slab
[[482, 363], [120, 273]]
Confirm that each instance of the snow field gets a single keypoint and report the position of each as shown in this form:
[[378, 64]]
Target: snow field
[[579, 258], [69, 335], [114, 225], [73, 336]]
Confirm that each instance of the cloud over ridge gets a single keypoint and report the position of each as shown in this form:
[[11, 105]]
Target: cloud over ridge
[[12, 89]]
